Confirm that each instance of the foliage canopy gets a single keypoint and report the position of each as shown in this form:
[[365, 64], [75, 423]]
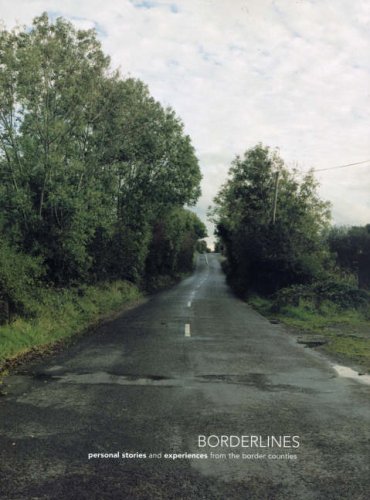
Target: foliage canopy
[[89, 161], [266, 254]]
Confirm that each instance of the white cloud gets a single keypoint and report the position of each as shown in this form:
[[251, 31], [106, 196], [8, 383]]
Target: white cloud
[[292, 74]]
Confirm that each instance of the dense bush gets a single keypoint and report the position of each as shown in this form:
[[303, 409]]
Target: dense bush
[[342, 294], [351, 250], [173, 242], [19, 276], [270, 225]]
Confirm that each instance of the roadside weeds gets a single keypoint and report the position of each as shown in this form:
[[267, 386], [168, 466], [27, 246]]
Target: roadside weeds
[[343, 335]]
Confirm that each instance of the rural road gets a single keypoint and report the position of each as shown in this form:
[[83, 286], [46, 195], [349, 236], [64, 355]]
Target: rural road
[[191, 361]]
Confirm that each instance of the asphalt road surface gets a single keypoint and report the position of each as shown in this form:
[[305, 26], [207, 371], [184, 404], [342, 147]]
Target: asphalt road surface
[[191, 361]]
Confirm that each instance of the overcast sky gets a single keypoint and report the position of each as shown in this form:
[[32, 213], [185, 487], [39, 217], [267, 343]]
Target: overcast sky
[[290, 74]]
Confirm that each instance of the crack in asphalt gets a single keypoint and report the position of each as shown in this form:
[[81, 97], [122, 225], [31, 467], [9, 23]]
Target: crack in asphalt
[[257, 380]]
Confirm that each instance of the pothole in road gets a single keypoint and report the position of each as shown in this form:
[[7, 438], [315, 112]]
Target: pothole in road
[[256, 379], [246, 379], [42, 376], [259, 381], [109, 378], [312, 342], [99, 378]]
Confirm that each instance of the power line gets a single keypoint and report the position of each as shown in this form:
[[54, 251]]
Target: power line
[[341, 166], [314, 170]]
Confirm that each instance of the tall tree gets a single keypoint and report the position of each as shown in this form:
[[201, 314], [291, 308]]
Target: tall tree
[[266, 253], [88, 160]]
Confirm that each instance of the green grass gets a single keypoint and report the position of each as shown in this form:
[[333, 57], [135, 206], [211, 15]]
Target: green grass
[[347, 330], [261, 304], [354, 349], [61, 314]]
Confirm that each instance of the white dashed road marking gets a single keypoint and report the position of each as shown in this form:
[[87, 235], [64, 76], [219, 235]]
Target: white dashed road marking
[[187, 330]]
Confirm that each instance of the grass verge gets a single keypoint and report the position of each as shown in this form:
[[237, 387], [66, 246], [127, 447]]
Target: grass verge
[[59, 314], [345, 331]]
